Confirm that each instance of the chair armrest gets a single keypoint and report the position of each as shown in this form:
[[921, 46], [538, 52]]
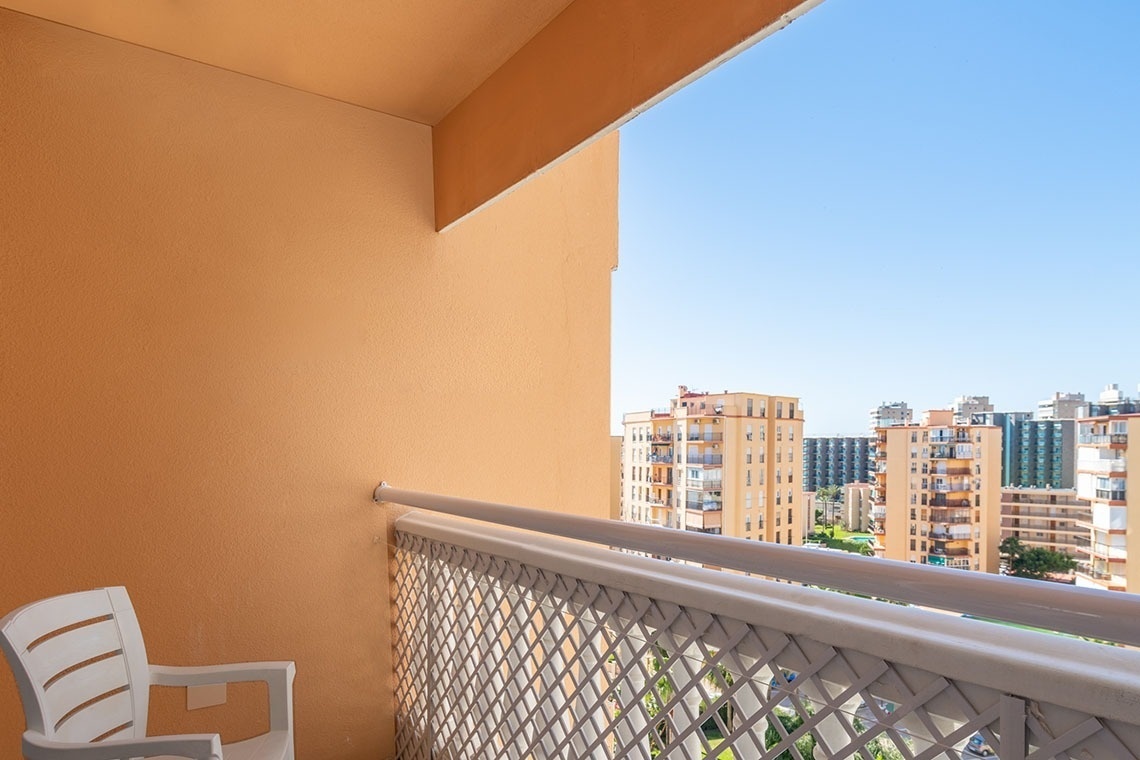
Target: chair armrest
[[270, 672], [279, 676], [195, 746]]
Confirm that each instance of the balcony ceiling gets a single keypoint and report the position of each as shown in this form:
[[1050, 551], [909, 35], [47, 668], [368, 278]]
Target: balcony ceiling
[[416, 59]]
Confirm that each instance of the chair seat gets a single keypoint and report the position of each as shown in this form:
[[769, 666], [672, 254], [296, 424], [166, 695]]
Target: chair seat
[[269, 746]]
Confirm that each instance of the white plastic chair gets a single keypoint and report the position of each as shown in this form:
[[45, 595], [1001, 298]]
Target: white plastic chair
[[84, 680]]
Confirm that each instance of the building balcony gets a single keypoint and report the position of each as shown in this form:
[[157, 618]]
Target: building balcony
[[956, 486], [946, 536], [661, 439], [704, 520], [705, 460], [705, 437], [694, 484], [1113, 439], [950, 471], [661, 458], [1115, 554], [1099, 577], [1110, 494], [955, 551], [1102, 466], [577, 651]]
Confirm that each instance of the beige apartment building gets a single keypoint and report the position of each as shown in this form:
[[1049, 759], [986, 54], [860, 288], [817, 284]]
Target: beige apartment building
[[936, 495], [720, 463], [1104, 460], [1052, 518], [857, 506]]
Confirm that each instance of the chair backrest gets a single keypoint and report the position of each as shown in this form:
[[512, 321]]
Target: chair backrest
[[80, 665]]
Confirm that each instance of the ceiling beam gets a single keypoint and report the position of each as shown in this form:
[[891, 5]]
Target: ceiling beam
[[595, 66]]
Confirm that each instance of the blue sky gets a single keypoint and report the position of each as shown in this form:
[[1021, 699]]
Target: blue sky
[[890, 200]]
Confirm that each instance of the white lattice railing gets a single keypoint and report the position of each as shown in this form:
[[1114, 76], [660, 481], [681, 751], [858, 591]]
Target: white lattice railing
[[518, 645]]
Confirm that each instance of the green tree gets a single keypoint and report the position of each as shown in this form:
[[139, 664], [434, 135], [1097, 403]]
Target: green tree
[[828, 495], [1036, 563]]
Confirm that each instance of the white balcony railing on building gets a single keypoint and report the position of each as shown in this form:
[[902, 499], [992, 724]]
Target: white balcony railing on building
[[520, 645], [1102, 466]]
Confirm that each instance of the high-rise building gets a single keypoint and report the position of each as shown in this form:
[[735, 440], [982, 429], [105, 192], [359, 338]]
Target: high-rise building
[[1035, 453], [836, 461], [1062, 406], [966, 407], [936, 495], [888, 414], [1044, 454], [724, 463], [1053, 518], [1104, 459]]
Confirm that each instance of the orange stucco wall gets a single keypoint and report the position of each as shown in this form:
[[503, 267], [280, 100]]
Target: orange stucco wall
[[226, 314], [591, 68]]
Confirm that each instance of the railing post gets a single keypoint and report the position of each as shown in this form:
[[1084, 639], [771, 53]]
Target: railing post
[[1011, 727]]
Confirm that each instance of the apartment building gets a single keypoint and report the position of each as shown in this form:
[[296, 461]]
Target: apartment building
[[936, 493], [888, 414], [1061, 406], [1035, 453], [1104, 460], [1111, 401], [836, 461], [1053, 518], [721, 463], [857, 506], [966, 407]]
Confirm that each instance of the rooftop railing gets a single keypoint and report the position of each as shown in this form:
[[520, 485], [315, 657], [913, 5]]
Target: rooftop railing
[[509, 645]]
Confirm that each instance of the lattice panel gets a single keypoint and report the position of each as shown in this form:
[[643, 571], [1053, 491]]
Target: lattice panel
[[497, 659]]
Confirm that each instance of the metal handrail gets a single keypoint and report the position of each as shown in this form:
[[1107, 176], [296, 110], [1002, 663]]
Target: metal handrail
[[1095, 613]]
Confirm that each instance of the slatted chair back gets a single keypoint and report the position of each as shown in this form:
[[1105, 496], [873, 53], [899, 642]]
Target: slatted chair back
[[80, 665]]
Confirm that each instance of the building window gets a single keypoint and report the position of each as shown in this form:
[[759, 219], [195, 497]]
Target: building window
[[913, 439], [779, 432], [912, 544], [778, 480], [748, 522], [748, 432], [748, 455], [748, 477], [791, 410], [748, 501], [748, 405], [779, 409]]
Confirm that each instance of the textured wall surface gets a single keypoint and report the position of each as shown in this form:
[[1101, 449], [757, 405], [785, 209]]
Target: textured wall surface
[[225, 316]]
